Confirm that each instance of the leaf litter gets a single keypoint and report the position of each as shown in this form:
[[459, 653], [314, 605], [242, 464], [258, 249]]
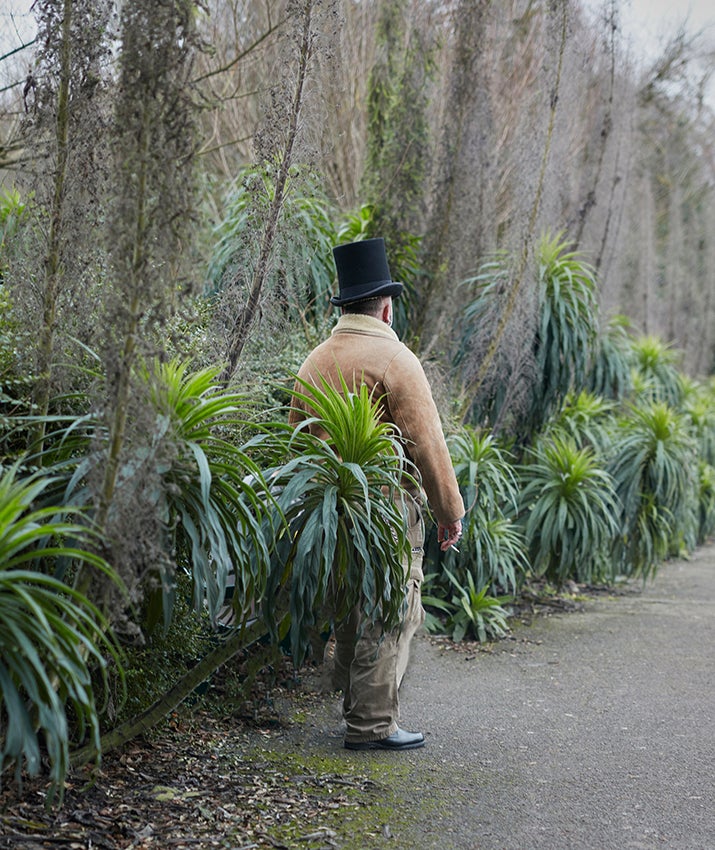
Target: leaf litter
[[203, 780]]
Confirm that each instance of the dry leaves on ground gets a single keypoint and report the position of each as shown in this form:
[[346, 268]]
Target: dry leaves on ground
[[201, 782]]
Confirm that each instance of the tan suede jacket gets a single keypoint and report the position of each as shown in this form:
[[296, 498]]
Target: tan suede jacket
[[365, 350]]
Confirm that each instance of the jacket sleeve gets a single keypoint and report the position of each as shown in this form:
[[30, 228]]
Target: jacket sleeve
[[413, 410]]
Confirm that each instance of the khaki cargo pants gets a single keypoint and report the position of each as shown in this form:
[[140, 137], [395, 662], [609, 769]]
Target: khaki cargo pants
[[370, 665]]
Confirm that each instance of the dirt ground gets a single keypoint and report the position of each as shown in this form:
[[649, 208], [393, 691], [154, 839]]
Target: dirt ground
[[592, 727]]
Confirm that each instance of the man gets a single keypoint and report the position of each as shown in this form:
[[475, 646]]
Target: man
[[363, 348]]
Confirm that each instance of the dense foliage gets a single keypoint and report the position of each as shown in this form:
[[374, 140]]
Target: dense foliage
[[174, 177], [51, 636], [338, 490]]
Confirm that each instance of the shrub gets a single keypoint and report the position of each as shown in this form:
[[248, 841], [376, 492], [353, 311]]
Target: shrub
[[51, 636], [520, 386], [492, 548], [609, 373], [699, 407], [475, 612], [706, 502], [337, 518], [303, 272], [657, 377], [569, 512], [568, 316], [654, 466], [584, 418], [208, 495]]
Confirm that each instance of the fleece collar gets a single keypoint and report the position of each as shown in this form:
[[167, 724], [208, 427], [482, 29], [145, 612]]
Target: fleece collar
[[357, 323]]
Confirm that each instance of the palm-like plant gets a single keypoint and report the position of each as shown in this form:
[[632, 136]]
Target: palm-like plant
[[584, 418], [568, 324], [357, 225], [191, 473], [52, 639], [560, 344], [699, 406], [706, 502], [654, 464], [569, 512], [12, 211], [492, 548], [211, 493], [656, 364], [15, 381], [345, 537], [475, 612], [609, 374], [484, 471]]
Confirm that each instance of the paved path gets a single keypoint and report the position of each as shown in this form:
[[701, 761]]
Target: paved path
[[589, 731]]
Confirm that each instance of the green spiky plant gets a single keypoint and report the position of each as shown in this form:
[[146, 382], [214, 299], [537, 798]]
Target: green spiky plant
[[561, 342], [357, 225], [193, 476], [492, 548], [699, 406], [706, 502], [568, 324], [15, 381], [210, 487], [475, 612], [609, 374], [53, 641], [657, 375], [197, 507], [12, 211], [345, 536], [569, 510], [585, 418], [195, 487], [654, 464]]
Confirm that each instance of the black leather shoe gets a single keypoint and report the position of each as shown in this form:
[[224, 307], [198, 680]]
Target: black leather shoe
[[399, 740]]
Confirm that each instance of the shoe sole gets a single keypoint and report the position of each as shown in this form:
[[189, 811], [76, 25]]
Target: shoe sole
[[378, 745]]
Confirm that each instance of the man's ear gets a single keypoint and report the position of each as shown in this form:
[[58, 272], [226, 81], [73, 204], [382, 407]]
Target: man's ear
[[387, 313]]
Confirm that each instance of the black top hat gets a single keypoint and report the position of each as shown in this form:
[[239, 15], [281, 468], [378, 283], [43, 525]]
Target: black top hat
[[363, 272]]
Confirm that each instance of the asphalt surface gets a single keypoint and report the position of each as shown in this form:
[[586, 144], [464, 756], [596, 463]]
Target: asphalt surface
[[592, 730]]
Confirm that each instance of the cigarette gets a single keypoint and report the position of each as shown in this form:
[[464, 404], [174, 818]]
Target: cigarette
[[454, 547]]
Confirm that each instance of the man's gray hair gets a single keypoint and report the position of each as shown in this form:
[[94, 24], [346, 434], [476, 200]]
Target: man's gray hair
[[368, 306]]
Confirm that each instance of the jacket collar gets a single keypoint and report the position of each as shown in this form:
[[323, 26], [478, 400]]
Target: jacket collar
[[360, 324]]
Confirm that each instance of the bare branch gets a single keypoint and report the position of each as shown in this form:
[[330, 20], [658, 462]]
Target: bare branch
[[242, 55]]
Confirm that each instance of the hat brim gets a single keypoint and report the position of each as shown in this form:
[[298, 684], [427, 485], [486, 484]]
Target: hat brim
[[352, 295]]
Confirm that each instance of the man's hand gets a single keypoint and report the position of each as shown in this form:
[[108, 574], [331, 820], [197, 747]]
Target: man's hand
[[449, 534]]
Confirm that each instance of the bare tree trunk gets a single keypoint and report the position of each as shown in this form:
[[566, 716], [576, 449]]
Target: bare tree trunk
[[674, 281], [648, 256], [148, 719], [126, 366], [613, 211], [53, 261], [240, 332], [705, 360], [517, 279], [606, 127], [153, 146], [458, 208]]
